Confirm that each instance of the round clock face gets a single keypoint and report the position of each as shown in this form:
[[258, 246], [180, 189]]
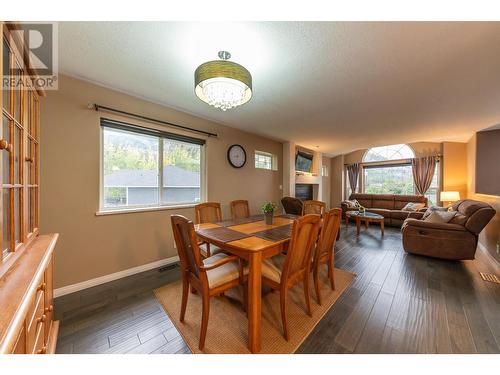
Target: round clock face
[[236, 156]]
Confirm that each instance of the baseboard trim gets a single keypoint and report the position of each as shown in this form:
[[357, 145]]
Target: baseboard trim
[[113, 276], [485, 251]]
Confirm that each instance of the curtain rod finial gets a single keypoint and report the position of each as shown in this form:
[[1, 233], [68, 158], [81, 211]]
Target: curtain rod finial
[[92, 106]]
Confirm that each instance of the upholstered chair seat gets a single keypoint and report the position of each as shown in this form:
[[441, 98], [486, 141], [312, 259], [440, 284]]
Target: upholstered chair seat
[[271, 268], [223, 274]]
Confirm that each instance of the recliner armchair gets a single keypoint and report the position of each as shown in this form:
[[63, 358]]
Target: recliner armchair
[[455, 240]]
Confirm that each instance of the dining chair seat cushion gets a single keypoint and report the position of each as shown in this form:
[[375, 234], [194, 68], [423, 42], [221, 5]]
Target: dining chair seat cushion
[[214, 250], [271, 267], [223, 274]]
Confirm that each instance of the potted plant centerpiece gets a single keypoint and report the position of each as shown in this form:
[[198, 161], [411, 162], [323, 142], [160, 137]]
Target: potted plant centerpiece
[[268, 210]]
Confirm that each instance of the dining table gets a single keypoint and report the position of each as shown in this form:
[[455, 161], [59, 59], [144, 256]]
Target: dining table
[[253, 240]]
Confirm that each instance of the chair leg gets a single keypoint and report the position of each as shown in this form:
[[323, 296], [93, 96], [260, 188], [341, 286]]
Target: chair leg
[[185, 294], [316, 283], [306, 293], [208, 250], [283, 306], [204, 320], [330, 272]]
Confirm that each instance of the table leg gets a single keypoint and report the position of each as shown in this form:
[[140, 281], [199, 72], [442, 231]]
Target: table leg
[[382, 227], [358, 224], [367, 222], [254, 301], [346, 221]]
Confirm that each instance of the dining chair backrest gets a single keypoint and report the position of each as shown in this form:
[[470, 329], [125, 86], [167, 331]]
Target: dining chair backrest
[[291, 205], [328, 234], [313, 207], [298, 257], [239, 209], [187, 246], [208, 212]]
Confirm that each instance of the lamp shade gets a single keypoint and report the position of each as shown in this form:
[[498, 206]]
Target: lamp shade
[[223, 84], [449, 196]]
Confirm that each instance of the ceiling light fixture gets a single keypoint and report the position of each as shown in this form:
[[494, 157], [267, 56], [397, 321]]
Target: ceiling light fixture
[[222, 83]]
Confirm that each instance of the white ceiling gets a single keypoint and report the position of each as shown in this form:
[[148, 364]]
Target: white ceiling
[[337, 85]]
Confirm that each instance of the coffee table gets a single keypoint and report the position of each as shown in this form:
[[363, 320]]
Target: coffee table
[[365, 217]]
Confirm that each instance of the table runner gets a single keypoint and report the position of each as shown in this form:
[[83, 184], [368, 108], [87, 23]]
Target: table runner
[[223, 234], [275, 234]]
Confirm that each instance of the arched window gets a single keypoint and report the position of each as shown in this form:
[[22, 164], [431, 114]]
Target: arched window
[[392, 152]]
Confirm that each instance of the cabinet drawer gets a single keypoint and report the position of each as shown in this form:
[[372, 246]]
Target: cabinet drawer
[[34, 321], [20, 346], [39, 345]]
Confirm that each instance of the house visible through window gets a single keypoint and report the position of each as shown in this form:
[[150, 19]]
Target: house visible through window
[[264, 160], [137, 162]]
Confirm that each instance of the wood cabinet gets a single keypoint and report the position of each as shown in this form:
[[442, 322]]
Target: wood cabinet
[[26, 257]]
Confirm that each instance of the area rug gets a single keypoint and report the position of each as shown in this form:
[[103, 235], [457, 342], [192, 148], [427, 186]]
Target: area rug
[[227, 325]]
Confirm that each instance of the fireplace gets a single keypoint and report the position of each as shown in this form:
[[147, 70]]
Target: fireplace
[[304, 191]]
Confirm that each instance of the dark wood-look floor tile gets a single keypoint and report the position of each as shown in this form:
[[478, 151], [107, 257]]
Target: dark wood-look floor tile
[[398, 303]]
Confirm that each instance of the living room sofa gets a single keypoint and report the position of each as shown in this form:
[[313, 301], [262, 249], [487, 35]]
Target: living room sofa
[[454, 240], [388, 205]]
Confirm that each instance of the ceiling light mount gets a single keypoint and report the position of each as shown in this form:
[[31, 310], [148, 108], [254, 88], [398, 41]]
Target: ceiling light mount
[[222, 83], [224, 55]]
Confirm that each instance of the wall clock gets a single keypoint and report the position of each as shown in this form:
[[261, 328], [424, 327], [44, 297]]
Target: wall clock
[[236, 156]]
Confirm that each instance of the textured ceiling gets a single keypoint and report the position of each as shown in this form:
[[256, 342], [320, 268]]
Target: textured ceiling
[[337, 85]]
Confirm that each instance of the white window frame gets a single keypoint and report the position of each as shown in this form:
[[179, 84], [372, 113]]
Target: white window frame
[[274, 160], [153, 207]]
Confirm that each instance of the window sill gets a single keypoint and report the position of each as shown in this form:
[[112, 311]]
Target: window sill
[[143, 209]]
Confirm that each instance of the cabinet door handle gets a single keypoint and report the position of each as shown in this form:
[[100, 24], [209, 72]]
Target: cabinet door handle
[[29, 160], [4, 145], [42, 318], [43, 350], [42, 286], [49, 309]]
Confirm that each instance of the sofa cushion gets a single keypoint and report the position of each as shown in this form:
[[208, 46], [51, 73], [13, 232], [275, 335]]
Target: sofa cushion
[[383, 201], [400, 215], [459, 219], [401, 200]]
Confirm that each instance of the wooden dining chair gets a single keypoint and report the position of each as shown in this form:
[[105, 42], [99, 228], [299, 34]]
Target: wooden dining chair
[[313, 207], [210, 277], [239, 209], [324, 251], [208, 212], [282, 272]]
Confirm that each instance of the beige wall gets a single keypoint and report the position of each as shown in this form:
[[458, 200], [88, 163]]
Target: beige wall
[[91, 246], [490, 236], [455, 167], [337, 181], [326, 182]]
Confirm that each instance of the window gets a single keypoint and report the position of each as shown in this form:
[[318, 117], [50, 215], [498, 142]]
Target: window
[[386, 170], [137, 161], [264, 160], [392, 152], [432, 192], [391, 179]]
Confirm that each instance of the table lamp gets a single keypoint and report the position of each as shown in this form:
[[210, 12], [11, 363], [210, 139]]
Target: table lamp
[[449, 197]]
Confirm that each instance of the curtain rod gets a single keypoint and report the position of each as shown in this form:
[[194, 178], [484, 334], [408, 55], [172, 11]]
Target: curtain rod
[[388, 161], [98, 107]]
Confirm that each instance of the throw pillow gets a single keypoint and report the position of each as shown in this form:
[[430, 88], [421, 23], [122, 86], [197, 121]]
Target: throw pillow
[[352, 203], [412, 207], [440, 216], [431, 209]]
